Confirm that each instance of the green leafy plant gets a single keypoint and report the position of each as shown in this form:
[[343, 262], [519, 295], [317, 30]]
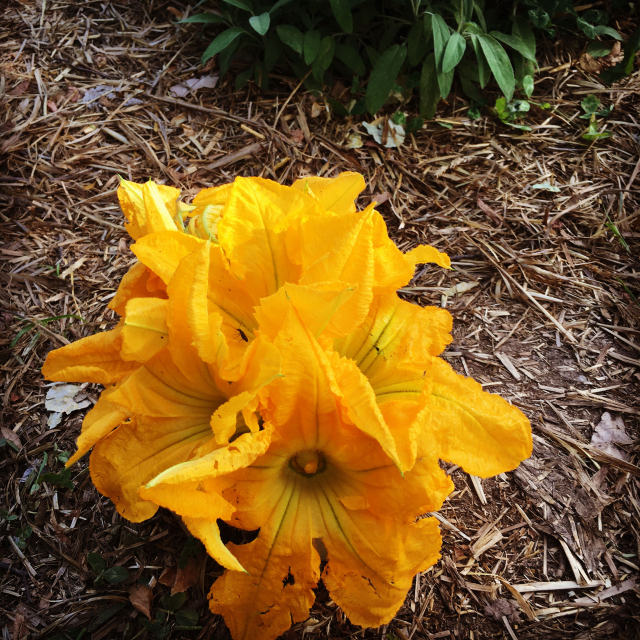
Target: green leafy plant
[[184, 619], [62, 479], [5, 515], [591, 106], [113, 575], [30, 325], [509, 112], [22, 535], [396, 46]]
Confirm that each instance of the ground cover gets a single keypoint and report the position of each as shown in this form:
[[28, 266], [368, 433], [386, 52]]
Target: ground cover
[[542, 228]]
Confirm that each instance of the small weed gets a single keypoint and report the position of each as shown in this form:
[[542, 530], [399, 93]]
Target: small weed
[[114, 575]]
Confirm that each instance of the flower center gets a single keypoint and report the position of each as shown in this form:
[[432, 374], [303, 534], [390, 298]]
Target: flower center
[[308, 462]]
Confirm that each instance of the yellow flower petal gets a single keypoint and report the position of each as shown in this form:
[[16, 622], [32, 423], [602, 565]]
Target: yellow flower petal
[[477, 430], [282, 569], [145, 331], [161, 252], [92, 359], [334, 194], [134, 284], [147, 207], [394, 345], [139, 450], [424, 253], [252, 233], [368, 574], [209, 533], [99, 422], [319, 307], [213, 195], [159, 389]]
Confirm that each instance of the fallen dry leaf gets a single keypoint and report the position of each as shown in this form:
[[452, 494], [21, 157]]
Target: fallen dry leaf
[[596, 65], [7, 434], [168, 576], [188, 576], [502, 607], [141, 598], [608, 433], [21, 88], [20, 629], [193, 84]]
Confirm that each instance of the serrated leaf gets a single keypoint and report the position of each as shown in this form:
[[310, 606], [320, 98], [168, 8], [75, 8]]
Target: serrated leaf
[[206, 18], [222, 41], [429, 90], [291, 36], [453, 53], [350, 56], [261, 23], [311, 45], [499, 63], [114, 575], [383, 77], [342, 12], [96, 562], [590, 104]]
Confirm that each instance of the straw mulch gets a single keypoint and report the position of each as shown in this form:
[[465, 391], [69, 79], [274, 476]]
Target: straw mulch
[[543, 291]]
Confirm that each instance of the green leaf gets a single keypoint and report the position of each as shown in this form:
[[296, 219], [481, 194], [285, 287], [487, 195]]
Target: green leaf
[[522, 29], [484, 71], [350, 56], [441, 35], [601, 30], [324, 58], [96, 562], [187, 617], [383, 77], [337, 107], [291, 36], [242, 79], [539, 18], [107, 614], [311, 45], [515, 43], [416, 44], [429, 90], [115, 575], [527, 85], [480, 15], [342, 12], [373, 55], [454, 52], [261, 23], [221, 42], [415, 124], [588, 29], [273, 51], [499, 63], [227, 56], [176, 601], [590, 104], [239, 4], [597, 49], [62, 479], [192, 547], [596, 16], [278, 5], [207, 18]]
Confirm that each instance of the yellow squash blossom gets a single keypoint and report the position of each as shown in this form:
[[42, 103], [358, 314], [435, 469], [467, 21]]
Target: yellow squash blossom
[[265, 373]]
